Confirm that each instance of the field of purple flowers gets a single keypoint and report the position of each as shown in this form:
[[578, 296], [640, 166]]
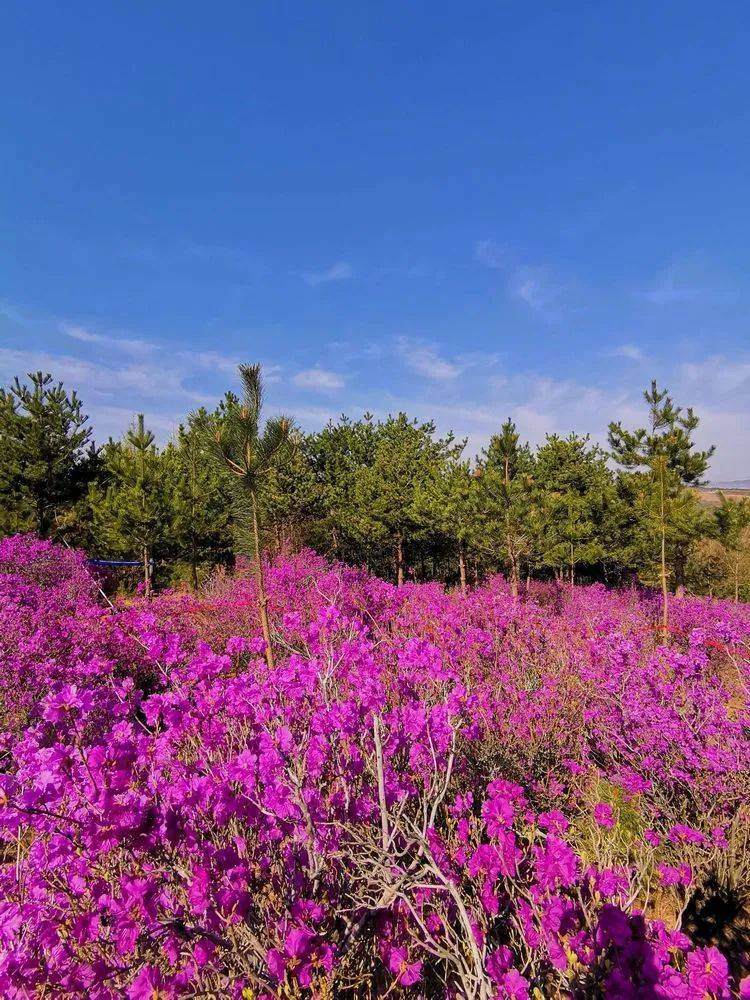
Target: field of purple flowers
[[430, 795]]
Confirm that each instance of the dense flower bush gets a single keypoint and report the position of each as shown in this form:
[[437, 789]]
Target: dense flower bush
[[430, 795]]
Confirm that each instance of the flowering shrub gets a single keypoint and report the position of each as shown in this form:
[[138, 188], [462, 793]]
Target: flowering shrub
[[430, 795]]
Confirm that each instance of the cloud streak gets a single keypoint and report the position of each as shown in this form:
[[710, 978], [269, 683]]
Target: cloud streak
[[630, 352], [527, 283], [425, 361], [130, 345], [468, 392], [342, 270], [118, 376], [533, 287], [319, 379]]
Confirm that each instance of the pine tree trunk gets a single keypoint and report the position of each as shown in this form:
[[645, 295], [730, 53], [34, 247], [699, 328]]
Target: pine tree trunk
[[399, 559], [514, 575], [510, 543], [43, 521], [146, 573], [664, 588], [193, 562], [261, 585], [679, 572], [462, 565], [663, 528], [193, 544]]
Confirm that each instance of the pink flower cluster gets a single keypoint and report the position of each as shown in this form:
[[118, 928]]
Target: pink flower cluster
[[431, 794]]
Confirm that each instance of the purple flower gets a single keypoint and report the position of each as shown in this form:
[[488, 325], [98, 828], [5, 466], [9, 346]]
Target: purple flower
[[613, 927], [408, 973], [147, 984], [675, 875], [610, 883], [556, 863], [719, 837], [236, 645], [708, 971], [603, 815], [687, 834], [276, 963], [498, 814], [298, 942], [162, 800], [553, 820], [498, 962], [485, 861], [514, 986]]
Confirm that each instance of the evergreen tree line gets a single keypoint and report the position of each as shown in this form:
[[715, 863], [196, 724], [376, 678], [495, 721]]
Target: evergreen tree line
[[389, 494]]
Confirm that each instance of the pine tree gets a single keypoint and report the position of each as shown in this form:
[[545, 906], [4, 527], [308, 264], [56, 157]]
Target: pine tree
[[448, 501], [292, 501], [198, 494], [131, 508], [337, 454], [405, 456], [663, 458], [506, 476], [45, 459], [575, 490], [251, 455], [733, 530]]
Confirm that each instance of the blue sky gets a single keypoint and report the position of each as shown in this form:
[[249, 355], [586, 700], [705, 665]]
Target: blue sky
[[462, 210]]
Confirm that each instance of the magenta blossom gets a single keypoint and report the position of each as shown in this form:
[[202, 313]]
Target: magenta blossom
[[399, 803], [603, 815]]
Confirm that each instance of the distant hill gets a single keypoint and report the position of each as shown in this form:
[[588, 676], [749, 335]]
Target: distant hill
[[733, 484], [735, 490]]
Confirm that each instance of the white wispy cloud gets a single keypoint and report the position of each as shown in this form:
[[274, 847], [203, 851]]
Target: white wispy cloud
[[539, 405], [631, 352], [116, 375], [208, 360], [319, 379], [128, 344], [342, 270], [425, 360], [529, 284], [80, 333], [532, 285], [718, 377], [475, 395], [159, 382], [165, 385], [213, 360]]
